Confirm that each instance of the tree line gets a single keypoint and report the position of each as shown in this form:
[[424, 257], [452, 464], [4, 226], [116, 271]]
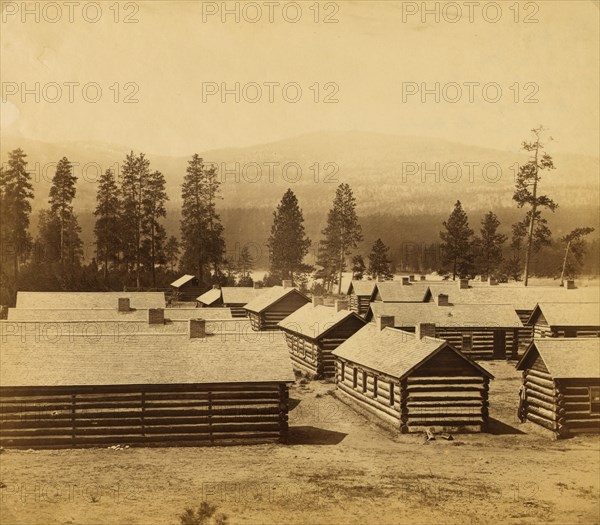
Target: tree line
[[132, 249]]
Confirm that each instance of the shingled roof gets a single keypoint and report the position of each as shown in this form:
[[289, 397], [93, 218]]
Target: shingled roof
[[240, 294], [209, 297], [475, 315], [182, 280], [87, 300], [271, 296], [362, 288], [396, 292], [315, 321], [104, 314], [394, 352], [566, 358], [144, 359], [567, 314]]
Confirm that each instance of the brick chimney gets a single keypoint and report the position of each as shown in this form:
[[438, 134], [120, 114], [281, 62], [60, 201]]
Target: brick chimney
[[197, 328], [571, 285], [156, 316], [406, 280], [317, 301], [411, 278], [424, 330], [492, 281], [442, 300], [340, 304], [384, 321], [123, 304], [286, 284], [463, 284], [423, 277]]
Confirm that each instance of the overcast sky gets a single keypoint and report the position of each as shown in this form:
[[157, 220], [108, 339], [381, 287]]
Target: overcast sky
[[368, 56]]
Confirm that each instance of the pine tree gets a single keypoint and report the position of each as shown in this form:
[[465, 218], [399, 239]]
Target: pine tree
[[457, 249], [62, 193], [107, 227], [489, 245], [16, 192], [134, 180], [526, 191], [342, 233], [154, 209], [358, 267], [245, 264], [201, 228], [379, 262], [288, 244], [576, 247], [172, 251]]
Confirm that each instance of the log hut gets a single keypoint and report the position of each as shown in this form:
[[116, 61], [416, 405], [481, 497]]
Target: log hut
[[486, 331], [561, 385], [233, 297], [403, 291], [196, 388], [274, 305], [412, 381], [210, 299], [359, 295], [314, 331], [187, 288], [89, 300], [565, 320]]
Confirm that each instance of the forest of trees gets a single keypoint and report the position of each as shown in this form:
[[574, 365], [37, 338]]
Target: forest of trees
[[133, 251]]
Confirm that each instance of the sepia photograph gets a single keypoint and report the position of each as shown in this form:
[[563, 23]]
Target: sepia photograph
[[301, 262]]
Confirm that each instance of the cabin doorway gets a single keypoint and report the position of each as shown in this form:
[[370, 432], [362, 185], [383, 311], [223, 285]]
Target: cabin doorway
[[499, 344]]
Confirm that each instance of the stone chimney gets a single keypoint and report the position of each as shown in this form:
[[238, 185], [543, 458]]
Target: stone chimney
[[492, 281], [256, 285], [423, 277], [317, 301], [215, 287], [411, 278], [286, 284], [383, 321], [406, 280], [197, 328], [380, 279], [463, 284], [425, 330], [570, 285], [156, 316], [123, 304], [442, 300], [340, 304]]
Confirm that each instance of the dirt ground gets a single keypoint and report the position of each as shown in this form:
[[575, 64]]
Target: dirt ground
[[339, 469]]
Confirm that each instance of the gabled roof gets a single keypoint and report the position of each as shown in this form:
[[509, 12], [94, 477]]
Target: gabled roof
[[566, 358], [209, 297], [456, 315], [104, 314], [271, 296], [182, 280], [394, 352], [316, 321], [157, 358], [567, 314], [87, 300], [362, 288], [240, 294], [396, 292]]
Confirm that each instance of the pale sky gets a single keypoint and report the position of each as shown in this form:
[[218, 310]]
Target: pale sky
[[368, 56]]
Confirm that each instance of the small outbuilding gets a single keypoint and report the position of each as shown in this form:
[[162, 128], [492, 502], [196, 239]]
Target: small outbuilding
[[233, 297], [187, 288], [274, 305], [565, 320], [313, 331], [359, 295], [403, 291], [561, 385], [412, 381]]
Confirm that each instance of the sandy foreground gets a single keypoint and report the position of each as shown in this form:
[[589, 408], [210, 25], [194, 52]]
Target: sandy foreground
[[339, 469]]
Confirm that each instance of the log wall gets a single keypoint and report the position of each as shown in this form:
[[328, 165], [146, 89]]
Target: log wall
[[148, 415], [359, 303]]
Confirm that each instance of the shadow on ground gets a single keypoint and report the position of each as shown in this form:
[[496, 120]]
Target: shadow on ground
[[307, 435], [499, 428]]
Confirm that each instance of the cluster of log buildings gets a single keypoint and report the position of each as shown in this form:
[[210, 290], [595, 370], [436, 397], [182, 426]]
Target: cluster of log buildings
[[124, 367]]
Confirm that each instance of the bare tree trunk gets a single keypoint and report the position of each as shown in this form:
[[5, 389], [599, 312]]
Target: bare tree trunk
[[564, 266], [532, 221]]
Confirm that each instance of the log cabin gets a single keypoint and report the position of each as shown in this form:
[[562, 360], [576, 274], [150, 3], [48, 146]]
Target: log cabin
[[561, 385], [274, 305], [211, 298], [186, 288], [87, 300], [359, 295], [314, 331], [159, 389], [232, 297], [486, 331], [412, 381], [403, 291], [565, 320]]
